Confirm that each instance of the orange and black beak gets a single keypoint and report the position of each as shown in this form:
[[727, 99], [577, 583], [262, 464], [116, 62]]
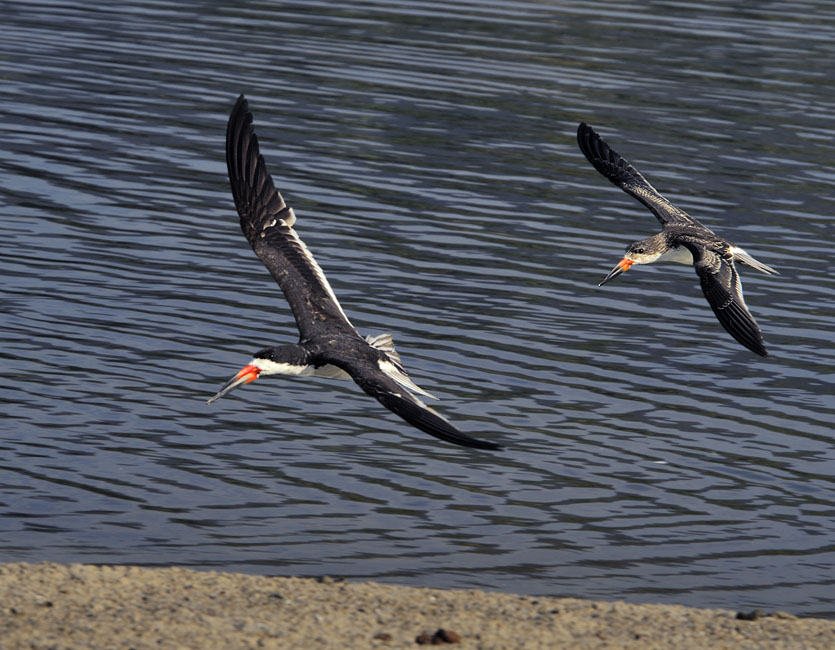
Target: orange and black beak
[[622, 266], [245, 375]]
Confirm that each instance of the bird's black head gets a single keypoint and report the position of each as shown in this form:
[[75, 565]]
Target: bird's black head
[[294, 355], [268, 354], [280, 360]]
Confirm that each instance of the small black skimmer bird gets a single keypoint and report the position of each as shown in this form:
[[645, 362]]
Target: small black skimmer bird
[[683, 240], [329, 346]]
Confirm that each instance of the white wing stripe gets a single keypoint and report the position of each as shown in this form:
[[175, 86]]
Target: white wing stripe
[[317, 270]]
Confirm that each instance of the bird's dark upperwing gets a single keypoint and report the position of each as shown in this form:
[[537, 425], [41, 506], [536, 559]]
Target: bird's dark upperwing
[[723, 290], [267, 223], [400, 402], [619, 170]]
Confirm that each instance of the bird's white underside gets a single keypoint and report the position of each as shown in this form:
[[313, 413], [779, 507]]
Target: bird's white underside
[[677, 254]]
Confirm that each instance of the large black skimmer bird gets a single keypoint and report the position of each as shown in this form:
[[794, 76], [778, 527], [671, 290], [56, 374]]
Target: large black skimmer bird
[[329, 346], [683, 240]]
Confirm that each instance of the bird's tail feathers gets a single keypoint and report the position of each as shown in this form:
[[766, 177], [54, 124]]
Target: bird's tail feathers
[[741, 256], [385, 343], [395, 370]]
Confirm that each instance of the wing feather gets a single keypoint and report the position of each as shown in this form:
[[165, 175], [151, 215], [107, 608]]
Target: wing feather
[[402, 403], [267, 222], [723, 289], [622, 174]]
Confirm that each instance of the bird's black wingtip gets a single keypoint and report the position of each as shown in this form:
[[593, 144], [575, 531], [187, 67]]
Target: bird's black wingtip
[[241, 106], [586, 132], [452, 435], [753, 343], [745, 332], [597, 152], [488, 446], [239, 119]]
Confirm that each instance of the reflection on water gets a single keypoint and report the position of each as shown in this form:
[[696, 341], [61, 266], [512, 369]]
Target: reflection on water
[[429, 154]]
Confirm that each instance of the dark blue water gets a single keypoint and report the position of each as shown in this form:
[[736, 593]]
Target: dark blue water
[[429, 152]]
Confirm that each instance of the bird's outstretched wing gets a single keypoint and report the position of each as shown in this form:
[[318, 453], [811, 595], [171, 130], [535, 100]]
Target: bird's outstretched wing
[[621, 173], [267, 223], [723, 290], [400, 402]]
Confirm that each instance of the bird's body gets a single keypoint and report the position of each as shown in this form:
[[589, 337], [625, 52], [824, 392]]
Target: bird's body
[[682, 239], [329, 345]]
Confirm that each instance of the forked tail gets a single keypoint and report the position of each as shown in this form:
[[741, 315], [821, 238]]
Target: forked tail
[[743, 257], [395, 369]]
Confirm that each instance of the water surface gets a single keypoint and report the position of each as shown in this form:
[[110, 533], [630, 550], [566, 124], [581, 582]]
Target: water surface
[[429, 152]]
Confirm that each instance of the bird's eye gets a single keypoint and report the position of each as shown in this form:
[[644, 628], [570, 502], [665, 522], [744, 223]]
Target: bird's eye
[[640, 251]]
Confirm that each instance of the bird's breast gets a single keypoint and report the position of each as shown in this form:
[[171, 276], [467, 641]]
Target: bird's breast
[[678, 254]]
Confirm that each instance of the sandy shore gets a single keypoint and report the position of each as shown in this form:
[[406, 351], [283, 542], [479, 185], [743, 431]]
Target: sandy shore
[[79, 606]]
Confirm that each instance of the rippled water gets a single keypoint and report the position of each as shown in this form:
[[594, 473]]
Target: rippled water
[[429, 152]]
